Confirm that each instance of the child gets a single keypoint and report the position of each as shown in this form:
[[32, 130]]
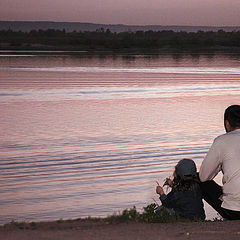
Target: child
[[185, 197]]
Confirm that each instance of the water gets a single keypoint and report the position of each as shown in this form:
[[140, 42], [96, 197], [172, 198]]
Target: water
[[86, 135]]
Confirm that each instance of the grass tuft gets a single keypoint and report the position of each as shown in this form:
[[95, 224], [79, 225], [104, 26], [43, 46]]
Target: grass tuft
[[148, 215]]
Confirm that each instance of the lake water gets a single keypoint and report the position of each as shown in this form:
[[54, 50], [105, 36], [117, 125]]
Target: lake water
[[85, 135]]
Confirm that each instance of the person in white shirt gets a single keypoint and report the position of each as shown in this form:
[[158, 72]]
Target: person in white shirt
[[224, 155]]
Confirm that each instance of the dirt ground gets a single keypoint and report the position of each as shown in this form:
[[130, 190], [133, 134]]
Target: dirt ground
[[89, 230]]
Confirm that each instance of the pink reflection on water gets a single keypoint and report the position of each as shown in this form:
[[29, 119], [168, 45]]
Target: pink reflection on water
[[72, 156]]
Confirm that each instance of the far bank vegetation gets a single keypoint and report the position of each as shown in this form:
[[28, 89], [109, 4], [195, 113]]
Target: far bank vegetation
[[105, 40]]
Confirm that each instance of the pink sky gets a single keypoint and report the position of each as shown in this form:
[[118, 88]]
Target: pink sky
[[138, 12]]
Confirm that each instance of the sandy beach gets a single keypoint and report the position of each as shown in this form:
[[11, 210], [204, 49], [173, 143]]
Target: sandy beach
[[85, 229]]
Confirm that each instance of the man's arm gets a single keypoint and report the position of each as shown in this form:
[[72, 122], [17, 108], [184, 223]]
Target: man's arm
[[211, 165]]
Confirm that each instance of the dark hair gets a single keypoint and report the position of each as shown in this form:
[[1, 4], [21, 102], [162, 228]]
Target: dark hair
[[232, 114], [180, 184]]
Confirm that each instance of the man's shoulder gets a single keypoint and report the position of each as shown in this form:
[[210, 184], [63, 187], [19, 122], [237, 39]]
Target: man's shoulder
[[226, 136], [220, 138]]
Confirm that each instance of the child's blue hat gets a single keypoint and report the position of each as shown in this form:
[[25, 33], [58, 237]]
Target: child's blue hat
[[186, 168]]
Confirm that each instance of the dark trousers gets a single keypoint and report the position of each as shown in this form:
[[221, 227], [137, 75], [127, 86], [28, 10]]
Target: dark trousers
[[211, 192]]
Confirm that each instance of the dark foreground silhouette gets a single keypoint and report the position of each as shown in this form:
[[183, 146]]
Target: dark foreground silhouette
[[89, 230]]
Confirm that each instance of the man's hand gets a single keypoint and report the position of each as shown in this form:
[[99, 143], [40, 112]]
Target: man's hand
[[159, 190]]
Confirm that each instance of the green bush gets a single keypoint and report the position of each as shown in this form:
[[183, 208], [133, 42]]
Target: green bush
[[149, 215]]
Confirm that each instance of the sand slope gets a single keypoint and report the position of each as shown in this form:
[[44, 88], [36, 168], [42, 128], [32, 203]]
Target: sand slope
[[101, 230]]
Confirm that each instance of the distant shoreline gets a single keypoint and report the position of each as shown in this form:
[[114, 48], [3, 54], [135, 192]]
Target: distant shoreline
[[87, 26], [126, 42], [50, 50]]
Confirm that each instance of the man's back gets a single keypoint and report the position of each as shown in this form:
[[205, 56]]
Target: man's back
[[224, 155]]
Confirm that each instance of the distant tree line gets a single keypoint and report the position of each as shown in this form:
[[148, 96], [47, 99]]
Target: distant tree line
[[107, 40]]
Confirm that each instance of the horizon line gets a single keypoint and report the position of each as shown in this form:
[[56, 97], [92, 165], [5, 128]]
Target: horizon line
[[121, 24]]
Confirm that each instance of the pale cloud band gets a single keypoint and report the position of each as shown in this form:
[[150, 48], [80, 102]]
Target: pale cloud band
[[142, 12]]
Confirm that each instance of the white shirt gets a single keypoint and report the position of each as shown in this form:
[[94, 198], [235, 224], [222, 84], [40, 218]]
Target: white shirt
[[224, 155]]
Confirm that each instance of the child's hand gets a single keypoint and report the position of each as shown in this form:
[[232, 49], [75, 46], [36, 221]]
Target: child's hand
[[159, 190], [168, 182]]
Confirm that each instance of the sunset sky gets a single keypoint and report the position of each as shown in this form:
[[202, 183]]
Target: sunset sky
[[132, 12]]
